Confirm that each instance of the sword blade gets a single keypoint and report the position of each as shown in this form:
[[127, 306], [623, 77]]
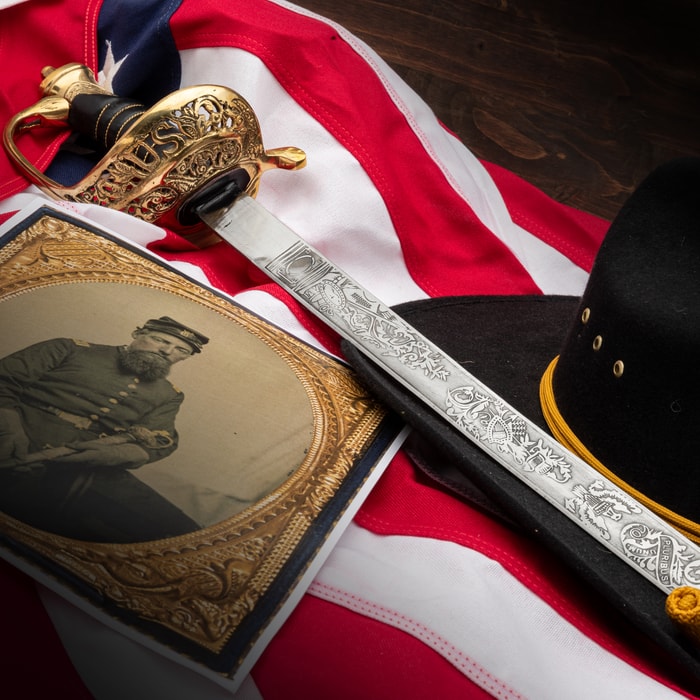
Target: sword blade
[[626, 527]]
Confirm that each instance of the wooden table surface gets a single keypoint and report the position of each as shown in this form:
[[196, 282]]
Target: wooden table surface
[[582, 99]]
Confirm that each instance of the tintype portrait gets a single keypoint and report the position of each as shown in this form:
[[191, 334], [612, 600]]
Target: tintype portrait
[[173, 452]]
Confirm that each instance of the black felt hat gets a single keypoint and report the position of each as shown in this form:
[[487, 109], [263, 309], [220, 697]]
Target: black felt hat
[[620, 369]]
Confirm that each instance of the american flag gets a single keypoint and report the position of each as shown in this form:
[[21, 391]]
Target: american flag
[[424, 596]]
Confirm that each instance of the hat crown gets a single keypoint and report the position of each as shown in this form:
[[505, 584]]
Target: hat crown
[[628, 380]]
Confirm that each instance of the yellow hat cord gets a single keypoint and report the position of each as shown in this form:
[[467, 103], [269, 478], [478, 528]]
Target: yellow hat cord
[[683, 604]]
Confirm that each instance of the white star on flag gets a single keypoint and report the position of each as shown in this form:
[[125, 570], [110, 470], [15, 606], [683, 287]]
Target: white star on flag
[[110, 69]]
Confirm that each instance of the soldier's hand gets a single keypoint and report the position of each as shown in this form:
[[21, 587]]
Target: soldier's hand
[[14, 443], [97, 453]]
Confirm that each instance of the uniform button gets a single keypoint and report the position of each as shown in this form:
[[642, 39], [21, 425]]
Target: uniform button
[[114, 401], [105, 409], [123, 393], [131, 386], [136, 380], [94, 416]]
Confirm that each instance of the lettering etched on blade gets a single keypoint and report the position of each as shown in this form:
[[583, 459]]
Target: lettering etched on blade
[[330, 291], [661, 554]]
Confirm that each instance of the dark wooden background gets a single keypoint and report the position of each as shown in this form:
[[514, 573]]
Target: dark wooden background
[[580, 97]]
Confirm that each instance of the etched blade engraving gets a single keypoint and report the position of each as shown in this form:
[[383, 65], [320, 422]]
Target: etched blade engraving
[[648, 544]]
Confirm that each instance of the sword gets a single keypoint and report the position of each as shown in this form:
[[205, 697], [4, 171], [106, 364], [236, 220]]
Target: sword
[[222, 196]]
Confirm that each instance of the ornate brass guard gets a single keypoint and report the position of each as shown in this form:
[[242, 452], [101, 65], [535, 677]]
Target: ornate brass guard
[[158, 159]]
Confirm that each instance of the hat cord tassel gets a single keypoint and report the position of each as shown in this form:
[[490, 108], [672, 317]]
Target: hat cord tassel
[[683, 607]]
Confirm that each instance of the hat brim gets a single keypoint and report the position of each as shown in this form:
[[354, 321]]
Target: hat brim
[[507, 343]]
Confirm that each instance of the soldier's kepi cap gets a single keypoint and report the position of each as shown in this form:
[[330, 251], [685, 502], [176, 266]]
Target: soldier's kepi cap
[[168, 325], [614, 375]]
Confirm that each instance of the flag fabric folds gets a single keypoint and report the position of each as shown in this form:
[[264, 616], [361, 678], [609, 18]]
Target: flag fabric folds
[[424, 596]]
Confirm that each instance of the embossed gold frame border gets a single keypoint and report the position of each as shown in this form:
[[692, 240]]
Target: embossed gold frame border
[[203, 585]]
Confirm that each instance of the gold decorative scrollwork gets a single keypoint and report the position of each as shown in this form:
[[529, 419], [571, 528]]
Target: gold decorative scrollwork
[[171, 153]]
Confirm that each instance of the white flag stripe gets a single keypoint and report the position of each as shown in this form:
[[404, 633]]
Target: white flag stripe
[[477, 615], [332, 203]]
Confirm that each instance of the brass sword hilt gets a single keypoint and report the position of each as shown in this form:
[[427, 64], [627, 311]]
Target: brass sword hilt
[[159, 163]]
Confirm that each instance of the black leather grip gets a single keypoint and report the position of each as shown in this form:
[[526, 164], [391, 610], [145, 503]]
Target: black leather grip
[[104, 118]]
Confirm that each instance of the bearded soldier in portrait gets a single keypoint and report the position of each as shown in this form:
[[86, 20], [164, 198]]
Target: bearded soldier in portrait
[[76, 417]]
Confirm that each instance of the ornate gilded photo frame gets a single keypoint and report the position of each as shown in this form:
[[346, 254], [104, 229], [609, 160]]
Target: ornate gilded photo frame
[[202, 547]]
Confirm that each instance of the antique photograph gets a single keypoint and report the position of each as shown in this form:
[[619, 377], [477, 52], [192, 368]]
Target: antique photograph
[[161, 448]]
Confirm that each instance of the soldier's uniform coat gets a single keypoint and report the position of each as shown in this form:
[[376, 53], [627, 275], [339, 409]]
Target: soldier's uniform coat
[[69, 392], [81, 380]]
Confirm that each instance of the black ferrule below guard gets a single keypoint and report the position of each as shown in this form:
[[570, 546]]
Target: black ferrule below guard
[[213, 195], [103, 118]]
